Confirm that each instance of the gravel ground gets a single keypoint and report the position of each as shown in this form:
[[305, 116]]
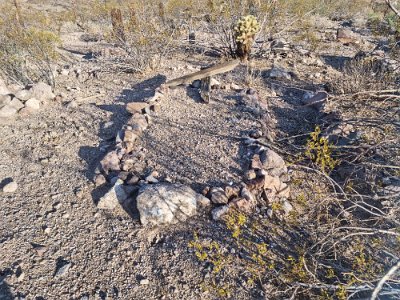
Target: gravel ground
[[196, 143]]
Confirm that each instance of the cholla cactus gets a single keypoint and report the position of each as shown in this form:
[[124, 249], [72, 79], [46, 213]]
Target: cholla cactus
[[244, 33]]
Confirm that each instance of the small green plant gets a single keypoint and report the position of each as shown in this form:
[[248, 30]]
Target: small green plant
[[319, 151]]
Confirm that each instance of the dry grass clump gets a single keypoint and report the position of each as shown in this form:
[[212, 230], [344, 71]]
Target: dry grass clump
[[27, 45]]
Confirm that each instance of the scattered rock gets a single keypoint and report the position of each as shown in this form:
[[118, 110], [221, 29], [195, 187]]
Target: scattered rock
[[110, 162], [287, 207], [235, 87], [7, 111], [317, 100], [42, 91], [114, 197], [23, 95], [4, 100], [271, 160], [99, 180], [16, 104], [279, 73], [63, 269], [33, 104], [138, 123], [218, 196], [346, 36], [256, 163], [136, 107], [203, 202], [3, 88], [242, 204], [219, 212], [232, 191], [10, 187], [166, 203], [72, 104]]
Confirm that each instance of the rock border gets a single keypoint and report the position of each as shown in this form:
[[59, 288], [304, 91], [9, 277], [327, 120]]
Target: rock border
[[266, 179]]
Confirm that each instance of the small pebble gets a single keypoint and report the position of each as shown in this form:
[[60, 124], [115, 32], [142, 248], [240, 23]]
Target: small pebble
[[10, 187], [144, 282]]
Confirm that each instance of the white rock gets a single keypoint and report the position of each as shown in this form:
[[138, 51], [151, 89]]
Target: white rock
[[4, 100], [23, 95], [114, 197], [271, 160], [166, 203], [3, 88], [10, 187], [33, 104], [42, 91], [7, 111], [16, 104], [287, 207]]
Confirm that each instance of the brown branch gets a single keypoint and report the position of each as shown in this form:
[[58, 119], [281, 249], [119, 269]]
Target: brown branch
[[393, 8], [211, 71]]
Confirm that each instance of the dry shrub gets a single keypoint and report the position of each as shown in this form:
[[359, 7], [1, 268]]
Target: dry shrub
[[27, 45], [364, 74]]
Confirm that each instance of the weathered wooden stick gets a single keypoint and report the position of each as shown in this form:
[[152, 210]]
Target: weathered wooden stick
[[211, 71]]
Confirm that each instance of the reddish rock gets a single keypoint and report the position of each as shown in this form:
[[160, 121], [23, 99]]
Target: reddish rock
[[136, 107]]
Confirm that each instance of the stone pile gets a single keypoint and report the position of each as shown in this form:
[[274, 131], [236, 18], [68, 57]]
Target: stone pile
[[266, 182], [161, 203], [23, 101]]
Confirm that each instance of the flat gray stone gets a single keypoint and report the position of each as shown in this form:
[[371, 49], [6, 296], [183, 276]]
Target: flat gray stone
[[166, 203], [271, 160], [7, 111], [42, 91], [4, 100], [33, 104], [23, 95], [114, 197], [17, 104]]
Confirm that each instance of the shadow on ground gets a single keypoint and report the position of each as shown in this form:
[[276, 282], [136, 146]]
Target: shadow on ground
[[5, 292]]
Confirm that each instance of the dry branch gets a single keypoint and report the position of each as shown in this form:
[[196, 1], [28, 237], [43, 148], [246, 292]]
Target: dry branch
[[385, 278], [393, 8], [211, 71]]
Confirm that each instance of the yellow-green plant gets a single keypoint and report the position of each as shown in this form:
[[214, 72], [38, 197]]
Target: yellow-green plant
[[244, 33], [319, 151]]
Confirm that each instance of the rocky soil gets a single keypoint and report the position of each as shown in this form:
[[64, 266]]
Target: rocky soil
[[55, 242]]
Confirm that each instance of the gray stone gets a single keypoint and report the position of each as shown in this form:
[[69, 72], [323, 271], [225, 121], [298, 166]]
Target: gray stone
[[203, 202], [42, 91], [166, 203], [63, 269], [33, 104], [287, 207], [3, 88], [4, 100], [110, 162], [279, 73], [10, 187], [138, 123], [218, 196], [144, 282], [317, 100], [271, 160], [114, 197], [16, 104], [23, 95], [219, 212], [7, 111]]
